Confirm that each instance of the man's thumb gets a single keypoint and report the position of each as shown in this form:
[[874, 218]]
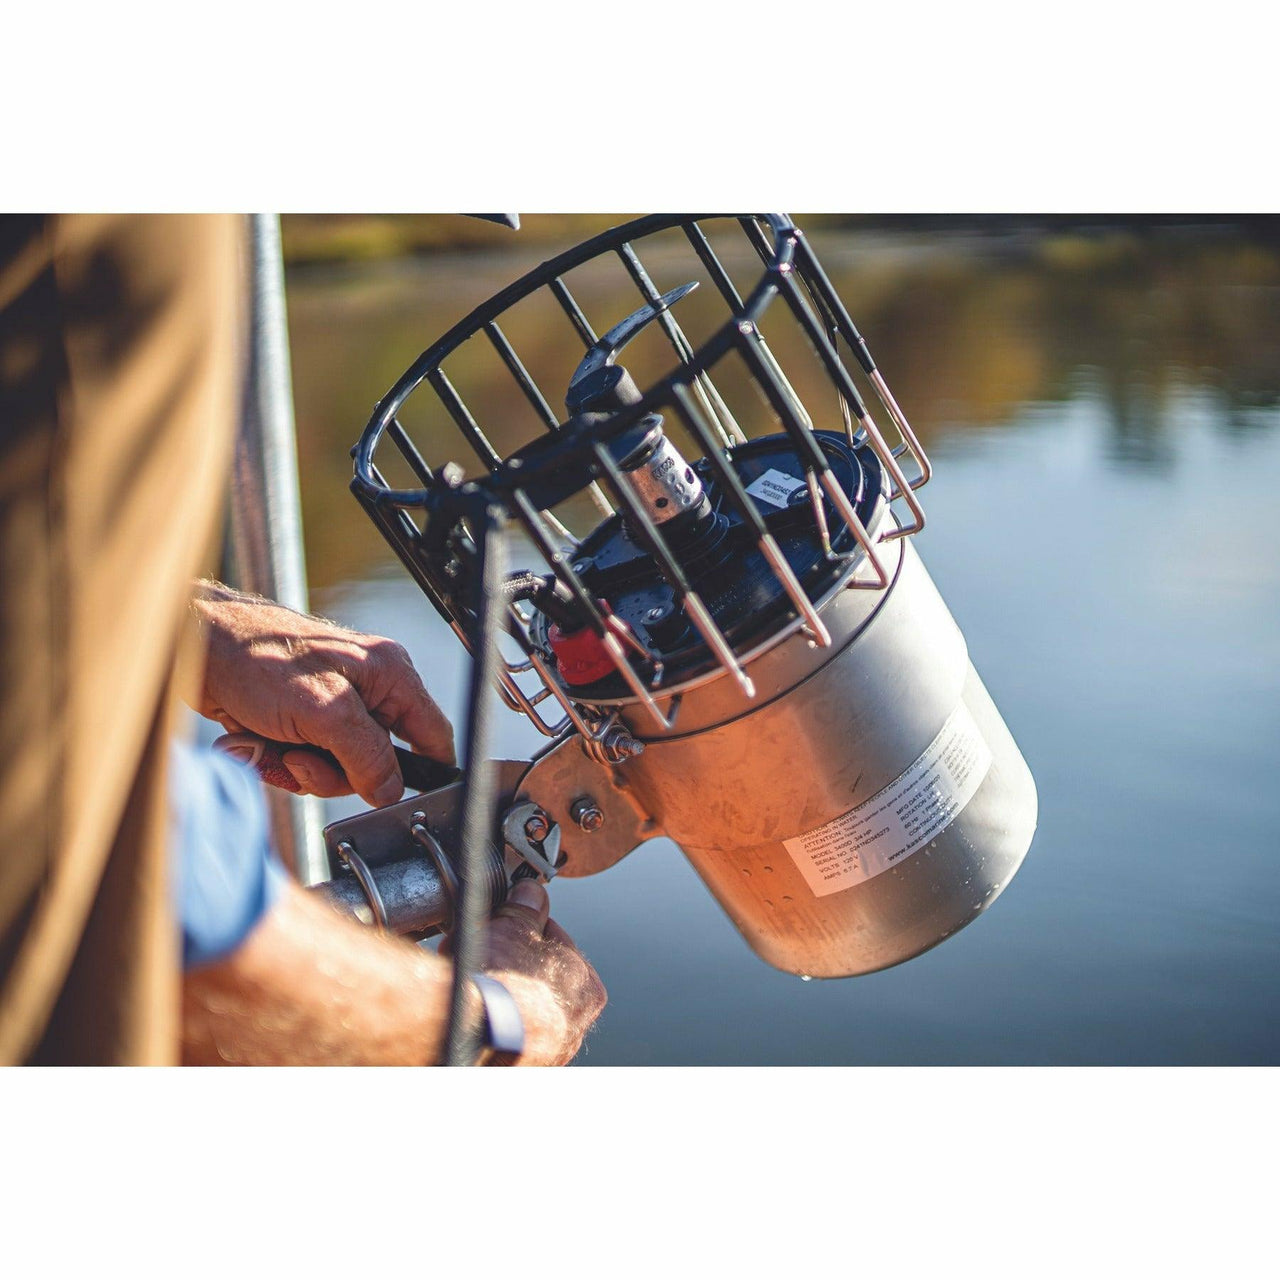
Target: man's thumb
[[528, 902]]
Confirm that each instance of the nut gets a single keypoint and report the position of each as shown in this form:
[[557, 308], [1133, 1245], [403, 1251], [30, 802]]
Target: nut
[[537, 827], [618, 745], [587, 814]]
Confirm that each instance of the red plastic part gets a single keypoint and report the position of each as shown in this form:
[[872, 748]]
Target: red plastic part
[[581, 655]]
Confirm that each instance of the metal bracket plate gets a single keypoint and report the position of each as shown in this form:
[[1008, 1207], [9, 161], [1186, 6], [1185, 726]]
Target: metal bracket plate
[[383, 835], [564, 775], [555, 781]]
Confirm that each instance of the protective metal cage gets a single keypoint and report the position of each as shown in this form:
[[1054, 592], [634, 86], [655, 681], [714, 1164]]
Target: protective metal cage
[[439, 530]]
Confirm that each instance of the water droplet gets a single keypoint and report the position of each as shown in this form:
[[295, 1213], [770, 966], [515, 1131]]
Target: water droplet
[[746, 873], [805, 977], [786, 897], [768, 868]]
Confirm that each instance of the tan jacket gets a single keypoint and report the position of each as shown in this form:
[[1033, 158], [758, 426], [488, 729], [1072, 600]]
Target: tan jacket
[[119, 386]]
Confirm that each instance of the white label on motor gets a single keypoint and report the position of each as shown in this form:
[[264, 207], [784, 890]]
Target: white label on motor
[[774, 487], [900, 819]]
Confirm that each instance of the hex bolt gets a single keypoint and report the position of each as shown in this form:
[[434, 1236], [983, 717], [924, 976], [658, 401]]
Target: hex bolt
[[618, 745], [587, 814], [537, 827]]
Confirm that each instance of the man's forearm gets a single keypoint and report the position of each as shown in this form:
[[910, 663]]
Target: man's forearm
[[309, 987]]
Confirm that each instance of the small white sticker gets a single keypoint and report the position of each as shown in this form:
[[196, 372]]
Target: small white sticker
[[774, 487], [902, 817]]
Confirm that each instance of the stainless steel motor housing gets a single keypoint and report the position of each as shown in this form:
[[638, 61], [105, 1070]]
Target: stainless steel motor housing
[[830, 729]]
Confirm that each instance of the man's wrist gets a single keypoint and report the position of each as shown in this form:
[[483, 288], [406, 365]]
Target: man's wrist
[[206, 595], [206, 589]]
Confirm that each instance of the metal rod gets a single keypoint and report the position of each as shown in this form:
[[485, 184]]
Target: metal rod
[[644, 528], [560, 563], [538, 401], [266, 511], [715, 269], [406, 529], [531, 390], [614, 650], [829, 321], [819, 514], [714, 403], [462, 416], [572, 714], [561, 529], [715, 638], [409, 452], [759, 241], [811, 454], [562, 566], [740, 500], [904, 429], [462, 1039], [840, 375], [573, 311], [404, 538], [526, 384], [816, 277], [730, 294]]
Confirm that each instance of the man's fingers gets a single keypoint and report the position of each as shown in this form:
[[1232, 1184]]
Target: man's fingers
[[363, 748], [421, 724], [400, 701], [527, 906], [524, 913], [315, 775]]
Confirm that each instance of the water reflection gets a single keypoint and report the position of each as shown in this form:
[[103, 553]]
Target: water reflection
[[1103, 410], [970, 330]]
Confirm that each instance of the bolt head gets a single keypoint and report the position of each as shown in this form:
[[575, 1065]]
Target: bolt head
[[588, 815]]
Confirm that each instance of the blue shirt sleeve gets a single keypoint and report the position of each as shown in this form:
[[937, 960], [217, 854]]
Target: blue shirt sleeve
[[225, 875]]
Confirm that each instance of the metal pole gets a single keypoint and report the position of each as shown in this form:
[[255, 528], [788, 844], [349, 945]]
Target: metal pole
[[266, 514]]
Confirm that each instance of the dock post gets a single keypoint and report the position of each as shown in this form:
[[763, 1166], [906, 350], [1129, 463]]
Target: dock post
[[266, 513]]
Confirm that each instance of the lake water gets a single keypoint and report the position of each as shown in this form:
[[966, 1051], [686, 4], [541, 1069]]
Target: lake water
[[1104, 413]]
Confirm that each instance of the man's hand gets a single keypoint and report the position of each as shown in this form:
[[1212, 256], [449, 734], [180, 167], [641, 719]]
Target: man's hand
[[560, 995], [311, 986], [296, 678]]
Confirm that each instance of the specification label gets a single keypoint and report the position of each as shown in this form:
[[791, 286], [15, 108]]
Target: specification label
[[900, 819], [774, 487]]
